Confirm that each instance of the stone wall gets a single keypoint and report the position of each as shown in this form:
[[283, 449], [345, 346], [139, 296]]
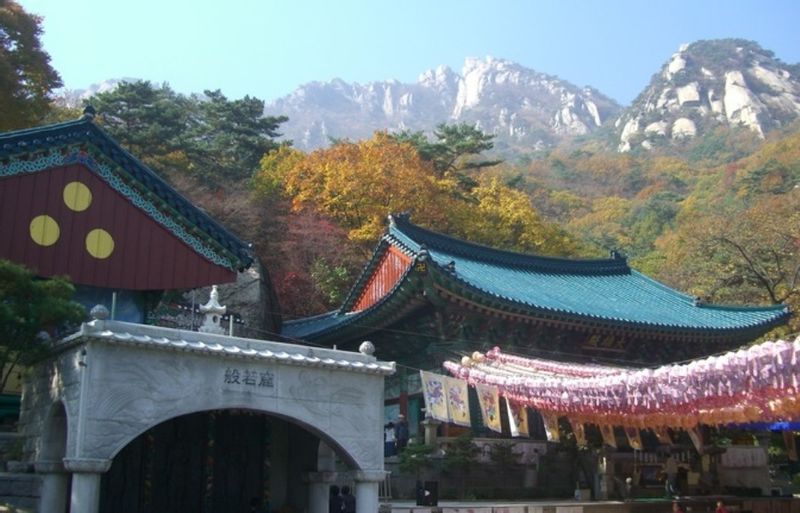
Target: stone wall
[[20, 491]]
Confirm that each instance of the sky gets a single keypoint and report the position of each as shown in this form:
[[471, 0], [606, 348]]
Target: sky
[[267, 48]]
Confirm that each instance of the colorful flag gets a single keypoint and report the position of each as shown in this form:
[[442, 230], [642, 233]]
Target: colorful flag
[[579, 432], [551, 426], [634, 438], [435, 400], [457, 401], [608, 435], [662, 433], [517, 418], [490, 406]]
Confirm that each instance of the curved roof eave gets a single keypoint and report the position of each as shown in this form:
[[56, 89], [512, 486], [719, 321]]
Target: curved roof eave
[[337, 323], [515, 307]]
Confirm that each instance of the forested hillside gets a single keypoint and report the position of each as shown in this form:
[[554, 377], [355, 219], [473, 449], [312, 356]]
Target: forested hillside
[[717, 215], [718, 218]]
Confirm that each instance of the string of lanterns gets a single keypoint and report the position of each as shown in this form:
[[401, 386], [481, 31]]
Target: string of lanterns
[[760, 383]]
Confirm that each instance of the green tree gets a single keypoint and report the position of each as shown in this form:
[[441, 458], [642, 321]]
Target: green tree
[[454, 151], [152, 122], [217, 139], [26, 77], [233, 135], [29, 307], [416, 458], [330, 280], [461, 458]]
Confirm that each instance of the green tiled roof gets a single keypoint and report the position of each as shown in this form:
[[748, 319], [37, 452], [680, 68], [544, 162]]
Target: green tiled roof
[[601, 291]]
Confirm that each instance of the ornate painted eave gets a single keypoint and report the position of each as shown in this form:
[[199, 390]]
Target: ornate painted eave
[[82, 141], [338, 326]]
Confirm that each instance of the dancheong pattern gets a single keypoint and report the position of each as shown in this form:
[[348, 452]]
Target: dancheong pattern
[[66, 155]]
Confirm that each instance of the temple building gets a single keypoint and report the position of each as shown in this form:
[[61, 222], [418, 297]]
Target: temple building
[[124, 415], [74, 203], [424, 297]]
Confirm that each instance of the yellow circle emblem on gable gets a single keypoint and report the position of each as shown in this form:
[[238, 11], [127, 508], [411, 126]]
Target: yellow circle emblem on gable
[[77, 196], [44, 230], [99, 243]]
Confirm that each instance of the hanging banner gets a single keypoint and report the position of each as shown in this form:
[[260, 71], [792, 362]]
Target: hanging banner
[[579, 432], [490, 406], [662, 433], [608, 435], [697, 438], [634, 437], [457, 401], [433, 390], [551, 426], [517, 418]]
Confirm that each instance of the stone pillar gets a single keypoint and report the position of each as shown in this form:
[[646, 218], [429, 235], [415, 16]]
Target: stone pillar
[[319, 484], [55, 482], [431, 425], [367, 482], [86, 475]]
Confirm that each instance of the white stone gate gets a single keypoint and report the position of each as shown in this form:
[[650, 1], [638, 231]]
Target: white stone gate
[[112, 381]]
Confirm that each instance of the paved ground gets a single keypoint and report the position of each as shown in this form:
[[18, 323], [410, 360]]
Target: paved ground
[[700, 504]]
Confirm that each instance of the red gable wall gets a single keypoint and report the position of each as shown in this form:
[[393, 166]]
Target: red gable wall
[[145, 256], [393, 264]]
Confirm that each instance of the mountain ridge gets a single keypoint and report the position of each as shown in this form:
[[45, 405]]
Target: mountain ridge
[[709, 83], [704, 85], [523, 106]]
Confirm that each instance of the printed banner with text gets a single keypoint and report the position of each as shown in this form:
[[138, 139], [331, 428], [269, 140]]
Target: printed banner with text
[[490, 406], [433, 389], [458, 401], [517, 418]]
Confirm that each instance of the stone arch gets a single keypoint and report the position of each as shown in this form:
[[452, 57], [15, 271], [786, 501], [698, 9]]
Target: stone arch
[[201, 441], [344, 451], [119, 380], [52, 451], [54, 433]]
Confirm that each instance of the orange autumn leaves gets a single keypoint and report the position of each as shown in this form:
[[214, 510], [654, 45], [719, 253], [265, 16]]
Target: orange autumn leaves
[[357, 184]]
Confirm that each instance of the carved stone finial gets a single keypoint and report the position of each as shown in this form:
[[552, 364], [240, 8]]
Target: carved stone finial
[[99, 312], [367, 348], [213, 313], [89, 112]]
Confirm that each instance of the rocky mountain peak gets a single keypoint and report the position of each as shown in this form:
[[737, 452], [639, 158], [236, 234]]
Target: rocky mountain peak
[[707, 83], [523, 107], [442, 78]]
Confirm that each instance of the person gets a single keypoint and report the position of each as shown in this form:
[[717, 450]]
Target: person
[[671, 470], [335, 503], [389, 448], [721, 508], [676, 508], [401, 432], [348, 501]]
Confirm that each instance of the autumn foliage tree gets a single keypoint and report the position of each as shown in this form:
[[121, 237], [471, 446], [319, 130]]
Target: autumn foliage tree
[[26, 77], [357, 184], [742, 254]]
